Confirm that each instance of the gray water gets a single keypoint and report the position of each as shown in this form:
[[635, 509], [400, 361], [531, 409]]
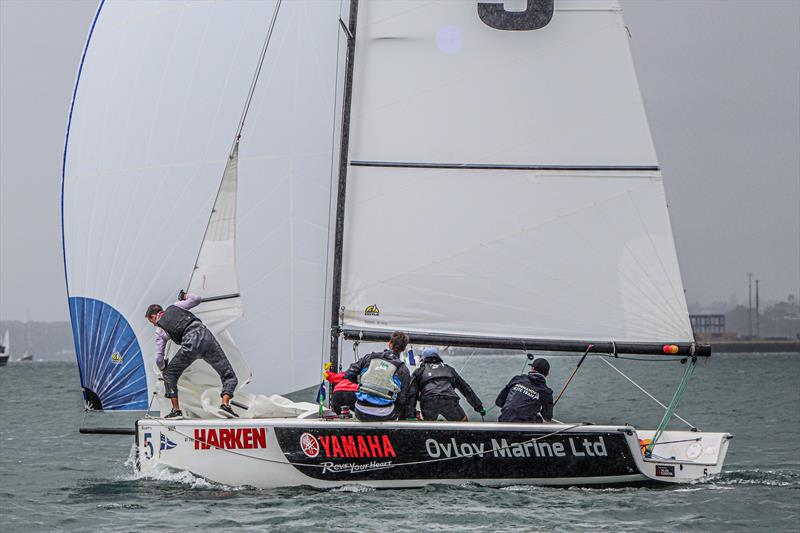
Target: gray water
[[53, 478]]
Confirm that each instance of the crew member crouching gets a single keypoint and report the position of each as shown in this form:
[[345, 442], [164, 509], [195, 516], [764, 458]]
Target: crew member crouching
[[344, 391], [383, 383], [434, 384], [527, 398]]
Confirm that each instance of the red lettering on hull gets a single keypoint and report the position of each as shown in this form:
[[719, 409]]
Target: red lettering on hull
[[348, 446], [230, 439]]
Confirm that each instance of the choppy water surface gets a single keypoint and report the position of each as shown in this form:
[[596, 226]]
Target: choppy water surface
[[53, 478]]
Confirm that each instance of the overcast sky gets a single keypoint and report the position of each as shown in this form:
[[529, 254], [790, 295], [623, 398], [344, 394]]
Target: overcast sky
[[720, 81]]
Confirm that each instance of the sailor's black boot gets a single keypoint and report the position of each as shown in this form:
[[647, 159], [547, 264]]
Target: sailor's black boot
[[228, 411]]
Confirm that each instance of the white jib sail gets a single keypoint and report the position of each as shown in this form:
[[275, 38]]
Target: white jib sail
[[504, 183], [215, 277]]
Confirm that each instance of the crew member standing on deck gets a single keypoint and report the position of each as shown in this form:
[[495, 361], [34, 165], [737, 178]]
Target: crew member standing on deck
[[196, 342], [434, 384], [527, 398], [383, 383]]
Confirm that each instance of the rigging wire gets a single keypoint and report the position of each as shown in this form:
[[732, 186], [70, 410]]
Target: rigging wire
[[238, 135], [647, 393], [325, 336], [253, 83]]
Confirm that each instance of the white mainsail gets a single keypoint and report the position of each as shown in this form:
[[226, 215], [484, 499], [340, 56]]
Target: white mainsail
[[504, 183]]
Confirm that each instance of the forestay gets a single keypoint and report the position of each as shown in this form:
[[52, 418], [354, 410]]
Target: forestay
[[504, 183]]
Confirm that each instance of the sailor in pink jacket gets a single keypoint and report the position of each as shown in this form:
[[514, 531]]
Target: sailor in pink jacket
[[178, 324]]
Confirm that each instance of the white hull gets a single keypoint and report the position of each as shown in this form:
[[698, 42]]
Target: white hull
[[269, 453]]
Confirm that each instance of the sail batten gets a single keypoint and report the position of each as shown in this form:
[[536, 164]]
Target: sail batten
[[500, 166]]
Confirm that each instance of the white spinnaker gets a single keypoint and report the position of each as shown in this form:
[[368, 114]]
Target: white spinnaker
[[549, 253], [157, 104]]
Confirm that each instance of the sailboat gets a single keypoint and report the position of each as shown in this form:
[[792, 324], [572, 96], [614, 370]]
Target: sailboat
[[27, 356], [475, 176], [5, 350]]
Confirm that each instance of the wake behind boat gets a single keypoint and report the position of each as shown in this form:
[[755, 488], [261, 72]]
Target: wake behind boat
[[538, 222]]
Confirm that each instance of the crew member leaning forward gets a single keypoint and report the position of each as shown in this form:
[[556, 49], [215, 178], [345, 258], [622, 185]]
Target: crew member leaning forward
[[383, 383], [434, 384], [527, 398], [196, 342], [344, 391]]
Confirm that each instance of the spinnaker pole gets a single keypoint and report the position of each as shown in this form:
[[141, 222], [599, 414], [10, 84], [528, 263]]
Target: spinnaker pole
[[344, 145], [560, 394]]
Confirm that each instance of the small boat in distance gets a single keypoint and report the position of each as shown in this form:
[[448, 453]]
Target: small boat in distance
[[5, 350], [27, 356]]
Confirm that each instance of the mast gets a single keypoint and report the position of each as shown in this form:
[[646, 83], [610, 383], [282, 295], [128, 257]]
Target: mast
[[336, 290]]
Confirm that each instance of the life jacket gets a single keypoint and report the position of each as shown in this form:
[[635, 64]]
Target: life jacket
[[174, 322], [378, 380]]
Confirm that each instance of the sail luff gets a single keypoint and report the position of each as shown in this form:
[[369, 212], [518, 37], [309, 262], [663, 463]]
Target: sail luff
[[336, 281]]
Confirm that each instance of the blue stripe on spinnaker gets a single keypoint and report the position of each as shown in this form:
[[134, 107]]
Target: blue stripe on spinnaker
[[109, 357]]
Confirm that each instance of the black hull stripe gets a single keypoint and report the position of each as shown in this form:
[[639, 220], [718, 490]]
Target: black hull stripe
[[491, 166]]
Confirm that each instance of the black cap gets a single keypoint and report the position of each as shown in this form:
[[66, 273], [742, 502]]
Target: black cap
[[541, 365]]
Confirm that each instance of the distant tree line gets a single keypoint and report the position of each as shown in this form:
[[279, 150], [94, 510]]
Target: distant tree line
[[48, 340], [780, 320]]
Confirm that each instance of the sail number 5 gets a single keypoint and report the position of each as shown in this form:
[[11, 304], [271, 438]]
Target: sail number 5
[[537, 15]]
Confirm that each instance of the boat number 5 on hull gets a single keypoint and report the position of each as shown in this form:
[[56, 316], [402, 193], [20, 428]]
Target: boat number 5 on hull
[[537, 14]]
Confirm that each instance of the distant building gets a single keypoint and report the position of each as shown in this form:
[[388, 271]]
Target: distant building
[[712, 324], [708, 326]]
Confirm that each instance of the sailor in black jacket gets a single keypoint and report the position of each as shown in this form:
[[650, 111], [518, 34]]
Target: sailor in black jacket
[[434, 384], [527, 398]]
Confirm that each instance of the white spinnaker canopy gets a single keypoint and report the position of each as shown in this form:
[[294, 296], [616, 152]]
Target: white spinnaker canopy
[[157, 104], [558, 250]]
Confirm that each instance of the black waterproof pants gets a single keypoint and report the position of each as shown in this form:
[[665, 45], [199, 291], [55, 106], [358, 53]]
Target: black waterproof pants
[[199, 343], [342, 398], [440, 405]]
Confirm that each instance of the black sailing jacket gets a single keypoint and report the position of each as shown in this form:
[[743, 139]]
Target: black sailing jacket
[[436, 379], [526, 398]]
